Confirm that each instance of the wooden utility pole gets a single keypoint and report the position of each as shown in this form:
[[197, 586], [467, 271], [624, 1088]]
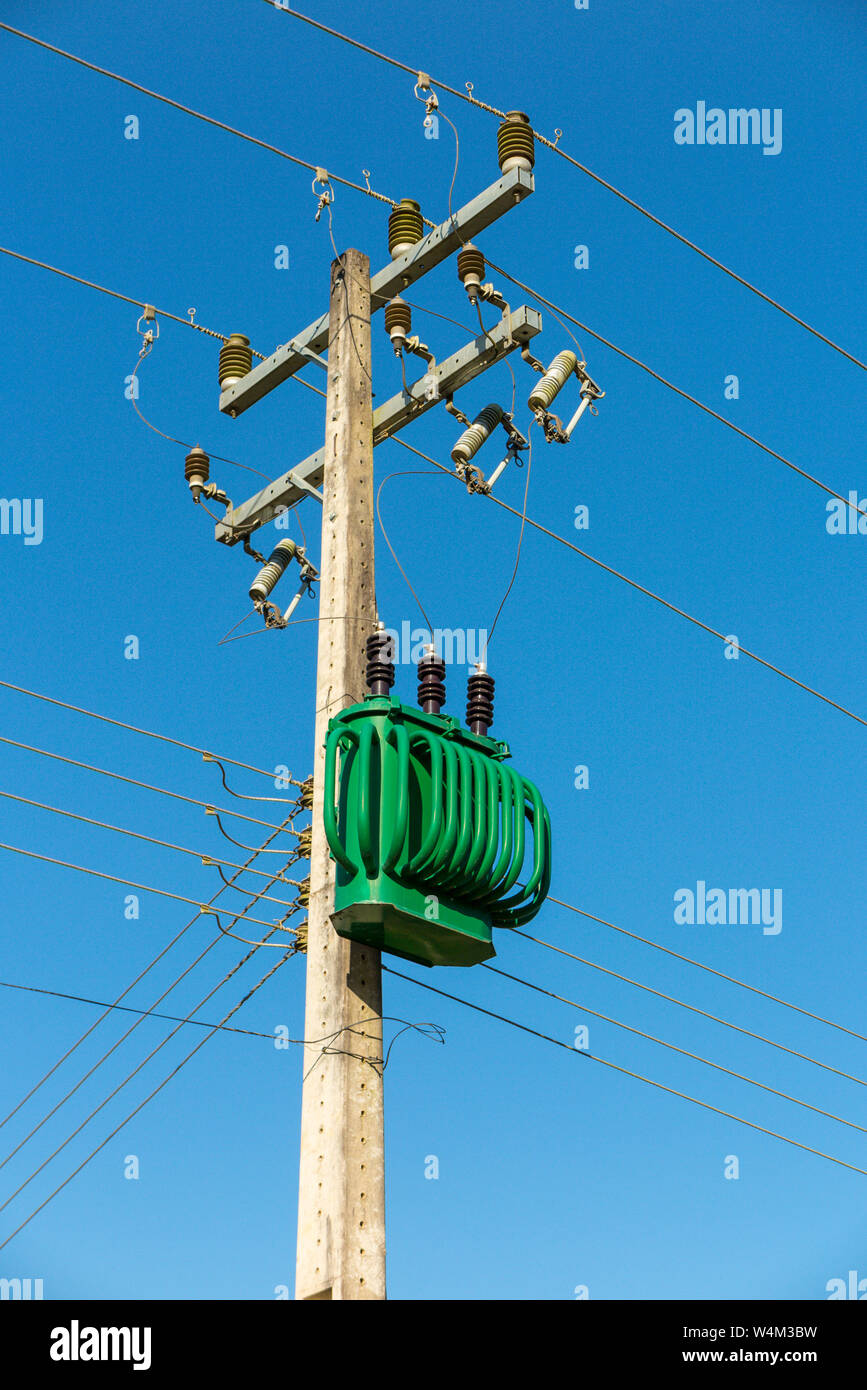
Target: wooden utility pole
[[341, 1204]]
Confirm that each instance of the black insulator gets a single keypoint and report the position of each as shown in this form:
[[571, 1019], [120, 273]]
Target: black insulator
[[515, 147], [380, 663], [431, 683], [471, 262], [480, 702], [405, 226], [236, 359]]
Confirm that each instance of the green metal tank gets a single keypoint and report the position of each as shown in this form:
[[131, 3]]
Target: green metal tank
[[437, 841]]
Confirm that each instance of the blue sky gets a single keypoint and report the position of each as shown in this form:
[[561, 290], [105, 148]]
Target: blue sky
[[554, 1172]]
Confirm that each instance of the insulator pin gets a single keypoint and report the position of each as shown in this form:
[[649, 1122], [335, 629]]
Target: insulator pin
[[480, 702], [380, 663], [236, 360], [431, 683], [283, 552], [405, 227], [473, 438], [559, 372], [515, 145]]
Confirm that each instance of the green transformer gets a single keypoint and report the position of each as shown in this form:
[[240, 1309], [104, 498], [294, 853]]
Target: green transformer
[[436, 839]]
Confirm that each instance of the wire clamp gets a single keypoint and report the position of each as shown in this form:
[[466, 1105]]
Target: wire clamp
[[325, 194], [147, 335]]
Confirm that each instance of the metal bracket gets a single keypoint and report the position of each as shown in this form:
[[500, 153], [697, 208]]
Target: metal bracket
[[431, 251], [298, 481], [450, 375], [308, 354]]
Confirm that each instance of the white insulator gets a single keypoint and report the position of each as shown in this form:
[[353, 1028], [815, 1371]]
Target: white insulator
[[474, 437], [585, 402], [553, 381], [268, 575]]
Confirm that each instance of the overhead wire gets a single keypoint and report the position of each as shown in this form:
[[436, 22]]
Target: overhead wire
[[199, 115], [110, 1052], [128, 1009], [489, 634], [133, 781], [678, 390], [672, 1047], [134, 729], [156, 1090], [112, 878], [555, 146], [703, 1013], [700, 965], [138, 978], [625, 1071], [134, 376], [641, 588], [403, 473], [208, 860]]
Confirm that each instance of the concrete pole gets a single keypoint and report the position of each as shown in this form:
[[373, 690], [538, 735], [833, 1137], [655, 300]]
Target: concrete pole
[[341, 1201]]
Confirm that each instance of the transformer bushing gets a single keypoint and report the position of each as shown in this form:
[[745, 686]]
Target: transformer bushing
[[431, 683], [480, 702], [380, 664]]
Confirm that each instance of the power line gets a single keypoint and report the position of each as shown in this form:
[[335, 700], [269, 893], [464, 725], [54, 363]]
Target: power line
[[113, 878], [825, 487], [557, 149], [642, 589], [91, 285], [199, 116], [208, 860], [157, 958], [672, 1047], [593, 1057], [383, 198], [184, 444], [732, 979], [128, 1009], [120, 777], [156, 1091], [703, 1013], [133, 1073], [555, 308], [166, 992]]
